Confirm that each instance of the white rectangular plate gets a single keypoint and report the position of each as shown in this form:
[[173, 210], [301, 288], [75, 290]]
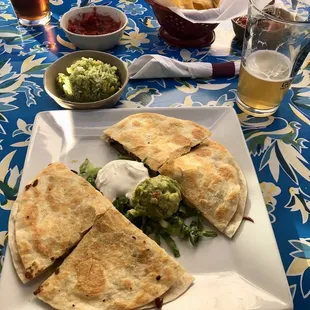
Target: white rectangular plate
[[243, 273]]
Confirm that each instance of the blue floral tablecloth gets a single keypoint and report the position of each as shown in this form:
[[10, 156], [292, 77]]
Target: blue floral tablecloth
[[278, 144]]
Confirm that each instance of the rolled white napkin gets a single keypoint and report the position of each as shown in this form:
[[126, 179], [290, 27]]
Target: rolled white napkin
[[156, 66]]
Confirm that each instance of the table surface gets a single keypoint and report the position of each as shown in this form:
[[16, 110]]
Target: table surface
[[278, 144]]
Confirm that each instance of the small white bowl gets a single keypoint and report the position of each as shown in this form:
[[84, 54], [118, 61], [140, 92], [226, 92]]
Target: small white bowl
[[101, 42]]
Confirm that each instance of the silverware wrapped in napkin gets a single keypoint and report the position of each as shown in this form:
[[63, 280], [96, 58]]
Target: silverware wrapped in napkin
[[156, 66]]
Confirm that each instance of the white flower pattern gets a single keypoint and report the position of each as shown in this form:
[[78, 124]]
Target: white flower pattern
[[278, 144], [270, 191]]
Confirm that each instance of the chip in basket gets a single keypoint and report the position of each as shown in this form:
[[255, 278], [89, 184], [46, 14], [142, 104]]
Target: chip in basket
[[196, 4]]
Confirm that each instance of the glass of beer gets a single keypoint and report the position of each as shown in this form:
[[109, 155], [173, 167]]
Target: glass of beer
[[32, 12], [276, 43]]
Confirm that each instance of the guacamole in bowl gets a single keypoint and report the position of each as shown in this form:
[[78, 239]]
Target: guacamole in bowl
[[88, 80], [108, 80]]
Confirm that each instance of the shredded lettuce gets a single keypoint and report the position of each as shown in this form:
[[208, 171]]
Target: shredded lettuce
[[170, 227], [173, 226], [89, 172]]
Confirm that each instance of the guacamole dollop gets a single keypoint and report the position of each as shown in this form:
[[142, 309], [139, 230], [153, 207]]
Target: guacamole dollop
[[157, 198], [88, 80]]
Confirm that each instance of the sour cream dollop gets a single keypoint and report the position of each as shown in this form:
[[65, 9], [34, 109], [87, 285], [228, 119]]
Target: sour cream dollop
[[120, 178]]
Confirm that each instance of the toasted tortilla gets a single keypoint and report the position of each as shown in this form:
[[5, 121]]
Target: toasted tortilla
[[18, 265], [115, 266], [53, 214], [209, 181], [155, 138], [235, 222], [176, 290]]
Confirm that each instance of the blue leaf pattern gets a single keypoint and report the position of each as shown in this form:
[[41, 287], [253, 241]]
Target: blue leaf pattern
[[305, 283], [278, 144], [301, 246]]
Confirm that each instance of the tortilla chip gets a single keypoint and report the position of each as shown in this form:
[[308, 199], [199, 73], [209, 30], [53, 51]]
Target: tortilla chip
[[195, 4]]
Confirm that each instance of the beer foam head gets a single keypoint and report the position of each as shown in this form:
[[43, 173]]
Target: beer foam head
[[269, 65]]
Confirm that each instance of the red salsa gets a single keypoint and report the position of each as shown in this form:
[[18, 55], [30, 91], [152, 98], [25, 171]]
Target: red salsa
[[92, 23], [241, 21]]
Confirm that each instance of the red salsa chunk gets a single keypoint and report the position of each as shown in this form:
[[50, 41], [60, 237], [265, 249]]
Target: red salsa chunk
[[242, 21], [92, 23]]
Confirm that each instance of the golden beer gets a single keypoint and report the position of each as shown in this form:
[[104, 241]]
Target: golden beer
[[32, 12], [263, 82]]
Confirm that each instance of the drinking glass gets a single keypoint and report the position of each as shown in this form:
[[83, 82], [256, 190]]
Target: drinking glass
[[276, 42], [32, 12]]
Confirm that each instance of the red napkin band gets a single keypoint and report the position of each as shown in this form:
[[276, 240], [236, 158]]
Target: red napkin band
[[224, 69]]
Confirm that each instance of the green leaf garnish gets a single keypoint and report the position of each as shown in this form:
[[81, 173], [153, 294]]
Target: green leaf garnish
[[89, 172]]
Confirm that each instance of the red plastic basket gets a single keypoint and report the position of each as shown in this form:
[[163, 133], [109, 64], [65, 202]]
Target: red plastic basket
[[178, 31]]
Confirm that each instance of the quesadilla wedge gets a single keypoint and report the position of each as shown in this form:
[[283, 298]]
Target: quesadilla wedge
[[115, 267], [17, 262], [210, 182], [154, 138], [237, 219], [52, 215], [175, 291]]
